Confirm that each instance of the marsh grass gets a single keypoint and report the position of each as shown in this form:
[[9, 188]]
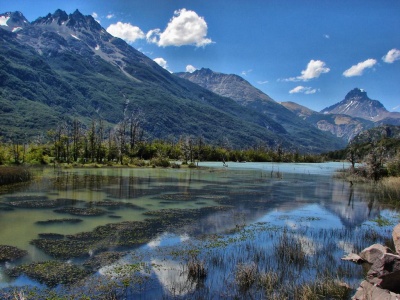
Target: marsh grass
[[389, 190], [246, 275], [10, 175], [323, 288], [196, 269]]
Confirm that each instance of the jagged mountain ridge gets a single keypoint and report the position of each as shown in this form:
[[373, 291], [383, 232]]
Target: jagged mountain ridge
[[357, 104], [340, 125], [240, 90], [62, 66]]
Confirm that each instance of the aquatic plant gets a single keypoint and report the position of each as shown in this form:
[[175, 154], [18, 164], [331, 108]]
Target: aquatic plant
[[10, 253], [246, 275], [9, 175], [51, 273], [196, 269]]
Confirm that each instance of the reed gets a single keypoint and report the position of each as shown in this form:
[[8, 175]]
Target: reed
[[196, 269], [9, 175], [246, 275]]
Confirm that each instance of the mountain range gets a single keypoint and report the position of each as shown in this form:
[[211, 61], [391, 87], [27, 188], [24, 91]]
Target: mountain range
[[345, 120], [241, 91], [349, 117], [66, 66]]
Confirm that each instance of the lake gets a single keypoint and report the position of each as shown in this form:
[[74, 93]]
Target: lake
[[214, 232]]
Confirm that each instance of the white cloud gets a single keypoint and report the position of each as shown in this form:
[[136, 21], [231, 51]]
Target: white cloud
[[391, 56], [126, 31], [190, 68], [358, 69], [396, 108], [4, 20], [303, 89], [314, 69], [110, 16], [96, 17], [245, 73], [162, 62], [262, 82], [185, 28], [327, 36]]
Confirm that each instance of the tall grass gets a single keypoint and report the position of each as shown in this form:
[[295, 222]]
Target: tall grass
[[389, 188], [9, 175]]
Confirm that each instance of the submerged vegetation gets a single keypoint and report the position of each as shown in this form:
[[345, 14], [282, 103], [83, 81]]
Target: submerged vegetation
[[250, 263]]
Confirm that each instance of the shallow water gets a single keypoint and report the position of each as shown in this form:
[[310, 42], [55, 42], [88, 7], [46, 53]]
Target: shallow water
[[304, 198]]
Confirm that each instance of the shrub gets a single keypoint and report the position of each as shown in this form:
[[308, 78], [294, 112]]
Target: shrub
[[160, 162], [393, 167]]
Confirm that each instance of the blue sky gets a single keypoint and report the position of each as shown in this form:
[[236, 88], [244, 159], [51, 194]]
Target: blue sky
[[309, 52]]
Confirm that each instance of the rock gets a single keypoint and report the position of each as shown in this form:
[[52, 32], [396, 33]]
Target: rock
[[396, 238], [368, 291], [385, 272], [353, 257], [374, 252]]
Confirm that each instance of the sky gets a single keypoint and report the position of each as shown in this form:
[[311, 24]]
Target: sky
[[312, 52]]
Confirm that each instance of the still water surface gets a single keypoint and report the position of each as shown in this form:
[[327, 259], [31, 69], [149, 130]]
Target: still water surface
[[303, 197]]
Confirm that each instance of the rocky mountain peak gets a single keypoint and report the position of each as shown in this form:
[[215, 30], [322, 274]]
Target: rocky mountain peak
[[78, 20], [13, 21], [75, 21], [357, 94], [358, 104]]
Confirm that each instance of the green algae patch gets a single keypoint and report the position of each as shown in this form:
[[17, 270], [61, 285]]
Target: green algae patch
[[43, 203], [10, 253], [125, 234], [62, 249], [51, 273], [103, 259], [59, 221], [114, 205], [54, 236], [79, 211]]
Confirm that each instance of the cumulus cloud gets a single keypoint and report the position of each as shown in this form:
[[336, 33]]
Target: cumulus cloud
[[391, 56], [303, 89], [190, 68], [185, 28], [314, 69], [126, 31], [358, 69], [110, 16], [162, 62]]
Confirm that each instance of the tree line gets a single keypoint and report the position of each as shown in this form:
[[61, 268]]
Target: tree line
[[126, 143]]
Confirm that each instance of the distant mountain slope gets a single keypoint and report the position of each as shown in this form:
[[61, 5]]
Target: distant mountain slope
[[65, 66], [376, 134], [340, 125], [358, 104], [240, 90]]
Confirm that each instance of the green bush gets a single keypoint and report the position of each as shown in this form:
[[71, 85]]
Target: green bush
[[393, 167], [160, 162]]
